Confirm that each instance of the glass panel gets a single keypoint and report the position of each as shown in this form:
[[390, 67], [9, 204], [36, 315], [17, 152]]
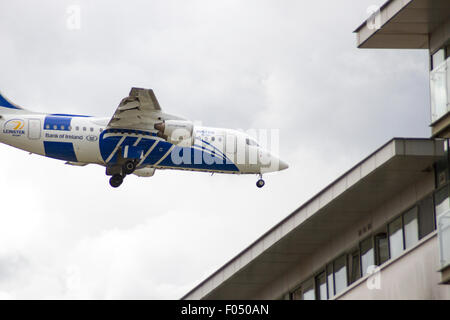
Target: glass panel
[[426, 216], [297, 294], [396, 237], [340, 274], [441, 201], [441, 172], [382, 249], [321, 286], [367, 255], [438, 58], [330, 282], [411, 228], [444, 238], [438, 91], [353, 265], [308, 291]]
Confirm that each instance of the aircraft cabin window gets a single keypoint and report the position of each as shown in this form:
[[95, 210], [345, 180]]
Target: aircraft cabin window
[[92, 129], [213, 138], [47, 126], [62, 127], [84, 128], [55, 127]]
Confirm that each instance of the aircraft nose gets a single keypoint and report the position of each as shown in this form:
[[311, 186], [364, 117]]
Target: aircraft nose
[[283, 165]]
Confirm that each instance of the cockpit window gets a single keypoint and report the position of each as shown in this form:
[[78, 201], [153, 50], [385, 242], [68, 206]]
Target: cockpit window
[[251, 142]]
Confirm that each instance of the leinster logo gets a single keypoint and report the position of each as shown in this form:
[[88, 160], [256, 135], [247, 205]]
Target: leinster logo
[[14, 127]]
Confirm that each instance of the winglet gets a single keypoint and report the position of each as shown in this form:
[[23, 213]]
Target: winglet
[[5, 103]]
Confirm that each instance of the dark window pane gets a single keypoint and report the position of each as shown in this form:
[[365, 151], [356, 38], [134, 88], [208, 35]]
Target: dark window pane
[[426, 216], [297, 294], [340, 274], [382, 249], [330, 282], [395, 237], [353, 265], [308, 290], [321, 286], [441, 201], [411, 227], [367, 255], [441, 173]]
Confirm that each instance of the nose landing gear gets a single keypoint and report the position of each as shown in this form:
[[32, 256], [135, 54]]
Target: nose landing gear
[[260, 183]]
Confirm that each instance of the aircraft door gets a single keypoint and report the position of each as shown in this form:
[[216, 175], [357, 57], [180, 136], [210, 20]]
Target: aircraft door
[[34, 129]]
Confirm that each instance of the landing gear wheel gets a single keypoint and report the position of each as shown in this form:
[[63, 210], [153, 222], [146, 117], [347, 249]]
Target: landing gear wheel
[[129, 167], [116, 180], [260, 183]]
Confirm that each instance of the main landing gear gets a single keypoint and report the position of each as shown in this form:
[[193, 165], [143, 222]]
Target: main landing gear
[[260, 183], [119, 172], [116, 180]]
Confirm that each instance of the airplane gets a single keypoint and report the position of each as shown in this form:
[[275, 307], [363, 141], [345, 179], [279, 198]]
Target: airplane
[[138, 139]]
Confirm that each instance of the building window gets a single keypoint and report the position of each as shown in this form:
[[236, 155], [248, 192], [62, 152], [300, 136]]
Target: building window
[[439, 85], [297, 294], [367, 255], [340, 274], [381, 248], [411, 227], [426, 217], [437, 58], [353, 266], [308, 290], [330, 281], [321, 286], [395, 237], [441, 201]]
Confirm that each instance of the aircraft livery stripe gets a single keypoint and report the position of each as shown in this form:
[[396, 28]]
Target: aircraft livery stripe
[[220, 152], [60, 150], [165, 156], [214, 148], [137, 141], [148, 152], [115, 149], [201, 148]]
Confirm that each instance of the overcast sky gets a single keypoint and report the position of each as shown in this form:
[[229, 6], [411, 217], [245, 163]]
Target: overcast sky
[[287, 65]]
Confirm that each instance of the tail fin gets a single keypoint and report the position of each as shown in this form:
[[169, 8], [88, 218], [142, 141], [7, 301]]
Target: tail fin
[[5, 103]]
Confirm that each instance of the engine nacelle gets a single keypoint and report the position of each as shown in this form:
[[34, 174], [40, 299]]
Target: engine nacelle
[[178, 132], [144, 172]]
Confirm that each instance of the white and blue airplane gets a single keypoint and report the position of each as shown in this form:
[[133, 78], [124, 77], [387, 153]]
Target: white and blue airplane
[[138, 139]]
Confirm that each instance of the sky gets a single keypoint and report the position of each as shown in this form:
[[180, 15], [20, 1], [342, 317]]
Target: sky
[[288, 65]]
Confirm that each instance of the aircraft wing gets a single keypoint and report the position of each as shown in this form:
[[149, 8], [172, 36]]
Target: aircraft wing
[[140, 110]]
